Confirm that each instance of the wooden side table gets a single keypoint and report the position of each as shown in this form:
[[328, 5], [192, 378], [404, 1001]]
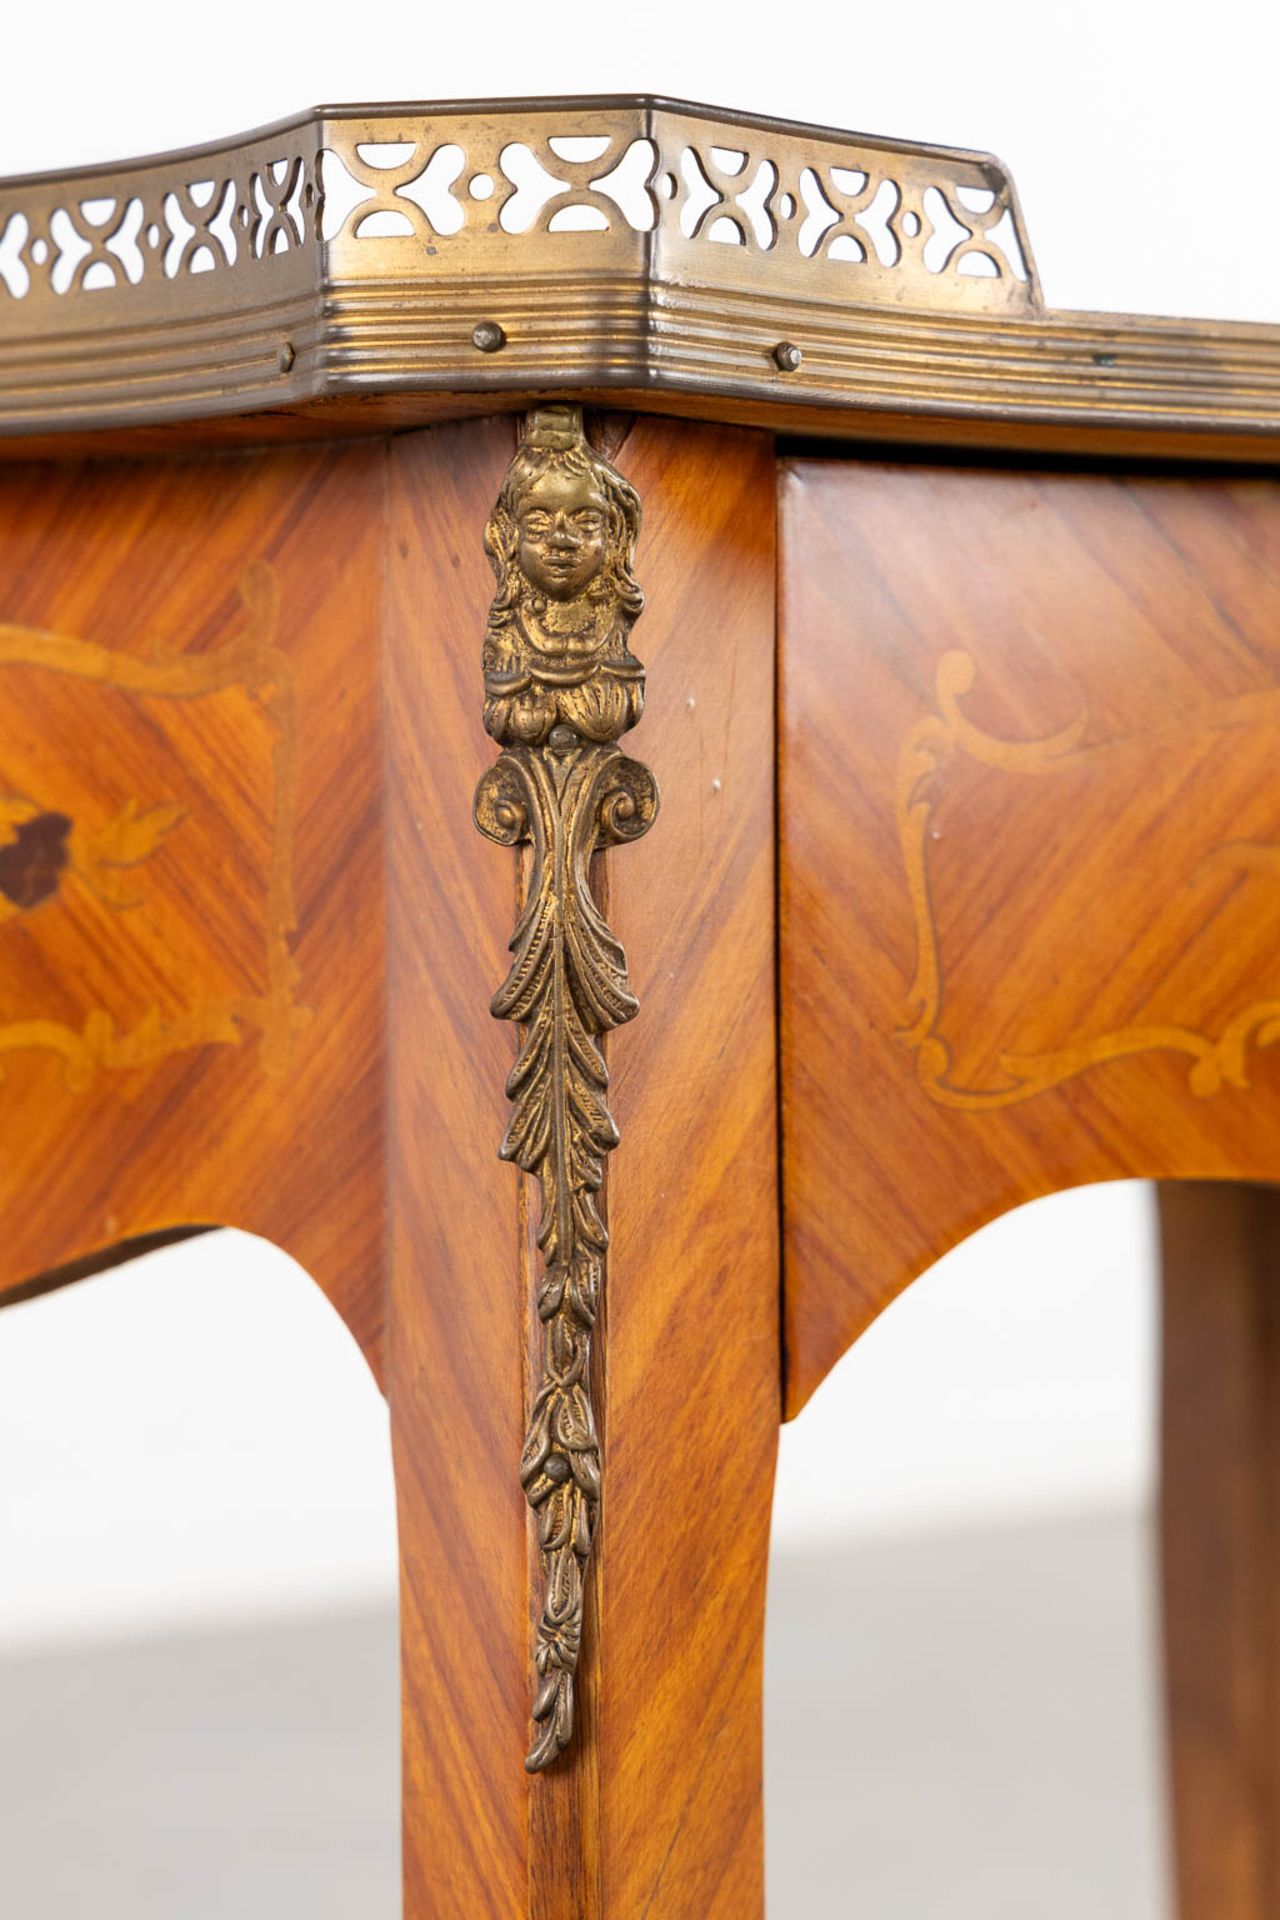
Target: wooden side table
[[961, 693]]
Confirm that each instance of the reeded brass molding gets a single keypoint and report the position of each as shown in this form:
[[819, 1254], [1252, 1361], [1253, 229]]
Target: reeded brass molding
[[561, 685], [426, 260]]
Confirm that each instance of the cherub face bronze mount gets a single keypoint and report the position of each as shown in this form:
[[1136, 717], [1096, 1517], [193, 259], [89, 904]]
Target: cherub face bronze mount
[[561, 685], [563, 522], [562, 539]]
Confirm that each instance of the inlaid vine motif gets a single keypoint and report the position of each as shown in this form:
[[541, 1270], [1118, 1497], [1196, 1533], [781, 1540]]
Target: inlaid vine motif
[[1216, 1058], [561, 686], [62, 852]]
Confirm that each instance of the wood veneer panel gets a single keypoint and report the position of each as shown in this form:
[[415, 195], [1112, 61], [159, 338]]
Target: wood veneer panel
[[1030, 837], [266, 771]]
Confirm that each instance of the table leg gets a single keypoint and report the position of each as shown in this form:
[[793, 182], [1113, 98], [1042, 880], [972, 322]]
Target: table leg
[[1220, 1518], [654, 1805]]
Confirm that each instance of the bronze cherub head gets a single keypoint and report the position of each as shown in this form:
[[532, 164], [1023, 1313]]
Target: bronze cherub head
[[562, 542]]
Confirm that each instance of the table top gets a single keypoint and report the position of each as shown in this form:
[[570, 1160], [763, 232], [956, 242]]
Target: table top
[[364, 267]]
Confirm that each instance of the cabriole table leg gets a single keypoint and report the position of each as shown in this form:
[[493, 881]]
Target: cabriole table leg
[[654, 1806]]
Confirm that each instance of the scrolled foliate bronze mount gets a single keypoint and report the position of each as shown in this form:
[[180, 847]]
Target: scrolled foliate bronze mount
[[561, 686]]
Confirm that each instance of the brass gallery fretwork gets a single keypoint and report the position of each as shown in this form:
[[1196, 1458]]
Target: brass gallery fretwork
[[561, 685], [1216, 1060]]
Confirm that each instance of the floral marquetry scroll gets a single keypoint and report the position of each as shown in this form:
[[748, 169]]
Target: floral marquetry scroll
[[561, 685], [40, 849], [93, 874], [961, 786]]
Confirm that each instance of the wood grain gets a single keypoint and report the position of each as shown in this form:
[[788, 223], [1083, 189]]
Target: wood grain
[[1029, 723], [456, 1364], [691, 1357], [1220, 1514], [146, 563]]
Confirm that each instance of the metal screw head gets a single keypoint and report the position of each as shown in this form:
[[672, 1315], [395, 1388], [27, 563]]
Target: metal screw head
[[488, 336], [787, 357], [286, 356]]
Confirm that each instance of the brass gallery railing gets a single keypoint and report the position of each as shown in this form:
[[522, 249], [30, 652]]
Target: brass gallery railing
[[629, 246]]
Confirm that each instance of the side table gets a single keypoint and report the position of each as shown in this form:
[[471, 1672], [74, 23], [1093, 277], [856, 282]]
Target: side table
[[683, 548]]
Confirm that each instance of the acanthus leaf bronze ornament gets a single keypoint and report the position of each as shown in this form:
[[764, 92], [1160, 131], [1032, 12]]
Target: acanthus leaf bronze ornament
[[561, 685]]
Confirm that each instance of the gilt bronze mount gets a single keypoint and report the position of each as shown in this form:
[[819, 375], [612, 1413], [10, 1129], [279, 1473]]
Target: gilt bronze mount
[[561, 685]]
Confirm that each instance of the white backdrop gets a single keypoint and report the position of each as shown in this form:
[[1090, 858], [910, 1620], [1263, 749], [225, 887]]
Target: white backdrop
[[1141, 135], [196, 1436]]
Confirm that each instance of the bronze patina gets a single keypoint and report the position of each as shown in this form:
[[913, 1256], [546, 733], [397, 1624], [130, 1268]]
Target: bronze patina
[[561, 685], [390, 265]]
